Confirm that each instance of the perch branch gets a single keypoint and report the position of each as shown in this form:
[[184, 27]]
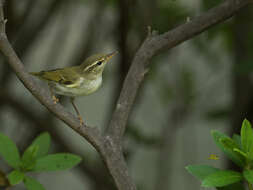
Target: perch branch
[[91, 134], [109, 146], [112, 156], [151, 46]]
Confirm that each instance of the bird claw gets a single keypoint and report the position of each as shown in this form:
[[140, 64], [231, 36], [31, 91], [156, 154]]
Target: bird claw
[[81, 120], [55, 99]]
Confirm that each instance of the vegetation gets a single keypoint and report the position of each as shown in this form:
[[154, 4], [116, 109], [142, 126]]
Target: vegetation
[[239, 149], [182, 66], [34, 159]]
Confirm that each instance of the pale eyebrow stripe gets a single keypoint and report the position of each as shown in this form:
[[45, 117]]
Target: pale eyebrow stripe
[[93, 64]]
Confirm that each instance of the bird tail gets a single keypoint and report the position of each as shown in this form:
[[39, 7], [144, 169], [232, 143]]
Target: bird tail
[[37, 74], [34, 73]]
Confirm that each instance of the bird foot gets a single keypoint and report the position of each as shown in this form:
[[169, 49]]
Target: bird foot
[[55, 99], [81, 120]]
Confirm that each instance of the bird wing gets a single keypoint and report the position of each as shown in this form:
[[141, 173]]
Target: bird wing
[[65, 76]]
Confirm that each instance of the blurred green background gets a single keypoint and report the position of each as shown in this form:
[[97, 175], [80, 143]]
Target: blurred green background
[[203, 84]]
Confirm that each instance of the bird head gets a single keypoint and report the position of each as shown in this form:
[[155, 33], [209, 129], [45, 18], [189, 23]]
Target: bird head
[[94, 65]]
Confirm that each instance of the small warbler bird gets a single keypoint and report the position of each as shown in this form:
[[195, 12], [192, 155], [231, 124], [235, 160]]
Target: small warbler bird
[[77, 80]]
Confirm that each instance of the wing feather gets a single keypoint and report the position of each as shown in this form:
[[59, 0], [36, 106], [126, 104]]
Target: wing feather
[[67, 76]]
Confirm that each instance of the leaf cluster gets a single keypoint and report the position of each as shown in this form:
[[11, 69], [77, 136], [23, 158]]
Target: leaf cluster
[[34, 159], [239, 149]]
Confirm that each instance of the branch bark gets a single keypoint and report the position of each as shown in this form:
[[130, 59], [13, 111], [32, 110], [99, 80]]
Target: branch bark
[[26, 35], [92, 134], [109, 144], [155, 43]]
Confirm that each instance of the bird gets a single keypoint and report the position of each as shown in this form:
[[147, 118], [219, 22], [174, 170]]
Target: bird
[[75, 81]]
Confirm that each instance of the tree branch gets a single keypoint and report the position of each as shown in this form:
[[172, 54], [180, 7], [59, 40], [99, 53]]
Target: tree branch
[[91, 134], [109, 146], [111, 155], [96, 174], [151, 46]]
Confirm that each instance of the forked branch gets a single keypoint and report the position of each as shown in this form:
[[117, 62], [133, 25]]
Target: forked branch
[[109, 144], [153, 45]]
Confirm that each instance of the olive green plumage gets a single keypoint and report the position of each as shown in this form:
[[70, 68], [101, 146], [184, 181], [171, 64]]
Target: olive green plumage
[[77, 80], [61, 76]]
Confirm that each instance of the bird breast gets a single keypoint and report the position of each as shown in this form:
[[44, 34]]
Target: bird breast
[[81, 87]]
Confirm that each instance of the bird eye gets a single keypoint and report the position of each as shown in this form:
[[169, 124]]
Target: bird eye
[[99, 63]]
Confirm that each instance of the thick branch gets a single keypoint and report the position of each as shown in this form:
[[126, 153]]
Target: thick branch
[[96, 174], [151, 46], [109, 146], [91, 134], [26, 35], [111, 155]]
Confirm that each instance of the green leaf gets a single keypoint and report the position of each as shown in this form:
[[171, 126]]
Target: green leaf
[[240, 152], [237, 140], [227, 145], [222, 178], [43, 143], [201, 171], [247, 138], [9, 151], [55, 162], [234, 186], [15, 177], [32, 184], [248, 174], [29, 157]]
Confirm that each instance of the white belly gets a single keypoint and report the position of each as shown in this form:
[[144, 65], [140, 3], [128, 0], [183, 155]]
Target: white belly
[[83, 87]]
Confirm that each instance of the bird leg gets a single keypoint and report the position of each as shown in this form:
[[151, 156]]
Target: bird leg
[[55, 99], [77, 112]]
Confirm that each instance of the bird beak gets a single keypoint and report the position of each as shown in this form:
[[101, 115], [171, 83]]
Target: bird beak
[[110, 55]]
